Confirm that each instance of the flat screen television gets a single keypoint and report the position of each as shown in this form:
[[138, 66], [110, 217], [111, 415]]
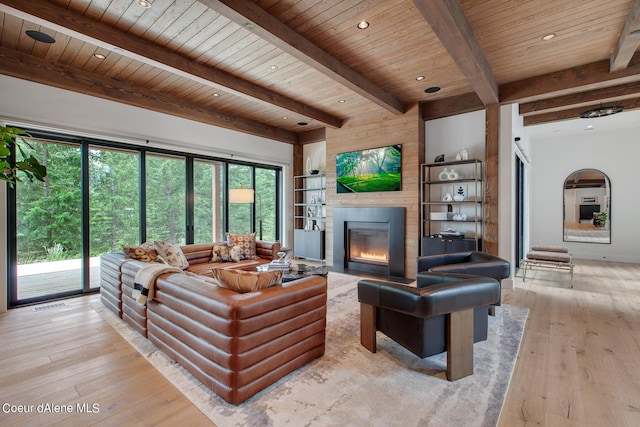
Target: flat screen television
[[370, 170]]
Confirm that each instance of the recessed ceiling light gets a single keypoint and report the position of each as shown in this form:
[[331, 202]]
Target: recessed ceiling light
[[432, 89], [363, 25], [285, 118], [588, 128], [99, 55], [302, 123], [144, 3], [548, 37], [216, 94], [273, 67], [341, 101], [420, 78], [40, 36]]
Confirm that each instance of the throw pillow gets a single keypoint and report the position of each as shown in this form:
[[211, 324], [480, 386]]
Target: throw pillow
[[236, 253], [145, 252], [172, 254], [247, 241], [247, 281], [220, 253]]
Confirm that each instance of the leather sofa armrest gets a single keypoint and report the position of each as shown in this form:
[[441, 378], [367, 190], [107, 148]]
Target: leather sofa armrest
[[427, 262], [268, 250]]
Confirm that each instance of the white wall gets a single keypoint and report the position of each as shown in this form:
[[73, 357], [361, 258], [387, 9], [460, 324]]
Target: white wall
[[317, 154], [37, 106], [450, 135], [615, 153]]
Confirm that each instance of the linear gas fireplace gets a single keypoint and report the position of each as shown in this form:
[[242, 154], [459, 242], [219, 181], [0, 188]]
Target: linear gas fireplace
[[369, 240], [368, 243]]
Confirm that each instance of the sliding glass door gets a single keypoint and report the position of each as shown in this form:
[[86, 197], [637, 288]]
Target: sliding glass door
[[114, 203], [48, 223]]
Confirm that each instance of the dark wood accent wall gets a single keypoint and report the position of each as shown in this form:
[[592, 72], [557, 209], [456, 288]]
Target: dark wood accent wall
[[372, 132], [491, 189]]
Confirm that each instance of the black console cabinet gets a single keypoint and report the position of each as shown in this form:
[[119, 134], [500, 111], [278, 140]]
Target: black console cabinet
[[439, 245]]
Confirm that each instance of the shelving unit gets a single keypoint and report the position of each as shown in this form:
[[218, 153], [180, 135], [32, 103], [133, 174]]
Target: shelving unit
[[310, 213], [451, 198]]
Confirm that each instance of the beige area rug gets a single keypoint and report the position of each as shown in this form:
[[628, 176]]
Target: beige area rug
[[349, 386]]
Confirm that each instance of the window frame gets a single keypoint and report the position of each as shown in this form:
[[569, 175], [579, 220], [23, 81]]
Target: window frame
[[85, 143]]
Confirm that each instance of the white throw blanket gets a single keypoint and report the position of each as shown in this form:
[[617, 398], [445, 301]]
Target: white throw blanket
[[145, 280]]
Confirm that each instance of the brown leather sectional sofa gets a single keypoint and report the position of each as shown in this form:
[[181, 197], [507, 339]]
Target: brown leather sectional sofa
[[236, 344]]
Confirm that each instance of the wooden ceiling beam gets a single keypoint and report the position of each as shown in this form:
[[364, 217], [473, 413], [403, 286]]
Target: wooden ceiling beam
[[90, 31], [574, 113], [27, 67], [628, 41], [449, 23], [311, 136], [608, 94], [572, 80], [445, 107], [253, 18]]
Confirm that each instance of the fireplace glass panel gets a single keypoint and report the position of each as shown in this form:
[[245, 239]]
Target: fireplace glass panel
[[369, 246]]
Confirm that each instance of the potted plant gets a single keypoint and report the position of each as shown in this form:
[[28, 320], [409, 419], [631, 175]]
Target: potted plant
[[599, 219], [29, 165]]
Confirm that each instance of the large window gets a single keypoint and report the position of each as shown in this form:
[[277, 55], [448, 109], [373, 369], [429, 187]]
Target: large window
[[166, 198], [208, 194], [261, 215], [100, 195], [266, 186], [240, 213]]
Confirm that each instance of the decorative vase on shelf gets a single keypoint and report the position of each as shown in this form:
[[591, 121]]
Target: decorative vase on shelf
[[453, 175], [309, 168], [444, 175]]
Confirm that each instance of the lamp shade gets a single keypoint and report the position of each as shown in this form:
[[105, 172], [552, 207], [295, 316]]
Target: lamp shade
[[241, 195]]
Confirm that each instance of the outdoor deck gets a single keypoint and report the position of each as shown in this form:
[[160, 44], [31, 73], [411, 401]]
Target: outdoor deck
[[45, 278]]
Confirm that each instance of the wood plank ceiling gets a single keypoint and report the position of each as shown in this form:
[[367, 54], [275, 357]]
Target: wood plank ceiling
[[286, 69]]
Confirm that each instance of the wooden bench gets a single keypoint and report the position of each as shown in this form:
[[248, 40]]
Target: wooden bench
[[554, 257]]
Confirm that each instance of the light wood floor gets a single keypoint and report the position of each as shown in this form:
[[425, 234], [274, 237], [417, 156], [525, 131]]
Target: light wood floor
[[68, 355], [579, 362]]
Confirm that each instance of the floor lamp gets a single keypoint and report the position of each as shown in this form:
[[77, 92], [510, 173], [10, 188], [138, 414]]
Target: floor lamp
[[247, 195]]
